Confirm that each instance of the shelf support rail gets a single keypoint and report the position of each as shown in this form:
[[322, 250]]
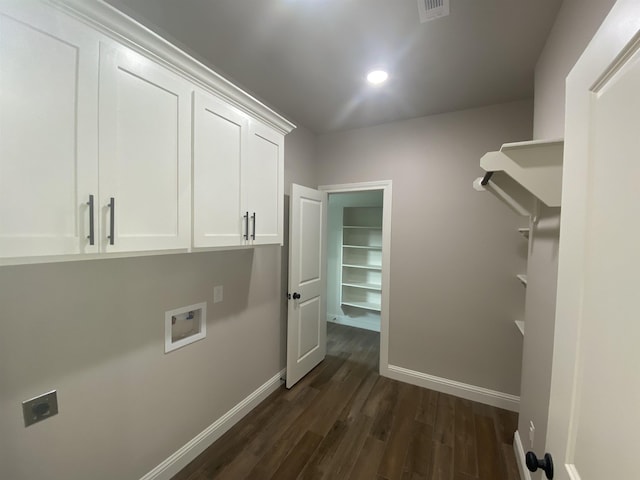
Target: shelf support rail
[[486, 178]]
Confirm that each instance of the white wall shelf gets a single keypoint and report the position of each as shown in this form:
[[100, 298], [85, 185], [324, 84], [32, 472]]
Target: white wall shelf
[[523, 172], [366, 267], [366, 286], [362, 227], [362, 247], [361, 258], [366, 305]]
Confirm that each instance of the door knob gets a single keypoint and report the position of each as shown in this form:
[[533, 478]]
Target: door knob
[[296, 296], [545, 464]]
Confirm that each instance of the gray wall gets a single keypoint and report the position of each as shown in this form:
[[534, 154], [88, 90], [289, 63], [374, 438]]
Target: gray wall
[[300, 159], [94, 330], [454, 251], [575, 25]]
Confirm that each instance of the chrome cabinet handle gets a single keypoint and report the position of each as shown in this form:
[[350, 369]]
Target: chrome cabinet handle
[[246, 225], [112, 220], [91, 236], [253, 219]]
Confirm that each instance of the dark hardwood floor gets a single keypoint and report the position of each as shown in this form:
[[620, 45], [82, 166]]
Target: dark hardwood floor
[[345, 421]]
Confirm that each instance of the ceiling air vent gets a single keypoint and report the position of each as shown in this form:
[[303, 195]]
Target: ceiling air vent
[[432, 9]]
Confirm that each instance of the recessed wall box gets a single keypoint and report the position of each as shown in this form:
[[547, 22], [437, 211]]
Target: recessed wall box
[[40, 408], [185, 325]]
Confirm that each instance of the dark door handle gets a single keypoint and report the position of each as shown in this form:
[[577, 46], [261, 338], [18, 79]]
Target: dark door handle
[[545, 464], [253, 219], [246, 225], [92, 233], [112, 220], [296, 296]]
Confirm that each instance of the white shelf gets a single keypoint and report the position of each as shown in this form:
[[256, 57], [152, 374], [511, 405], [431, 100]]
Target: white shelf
[[366, 286], [523, 172], [523, 278], [524, 232], [367, 267], [366, 305], [520, 325], [361, 258], [364, 247]]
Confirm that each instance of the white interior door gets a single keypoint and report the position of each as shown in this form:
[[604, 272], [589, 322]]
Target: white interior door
[[307, 319], [594, 419]]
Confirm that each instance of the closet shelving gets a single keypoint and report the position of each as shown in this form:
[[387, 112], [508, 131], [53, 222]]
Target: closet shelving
[[521, 173], [361, 283], [522, 277]]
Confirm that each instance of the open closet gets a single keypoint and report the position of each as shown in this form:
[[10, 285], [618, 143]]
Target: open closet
[[354, 259]]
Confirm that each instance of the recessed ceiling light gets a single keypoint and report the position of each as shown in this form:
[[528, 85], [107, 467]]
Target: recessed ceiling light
[[376, 77]]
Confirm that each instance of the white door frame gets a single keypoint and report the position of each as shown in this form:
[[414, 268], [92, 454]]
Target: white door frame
[[385, 186]]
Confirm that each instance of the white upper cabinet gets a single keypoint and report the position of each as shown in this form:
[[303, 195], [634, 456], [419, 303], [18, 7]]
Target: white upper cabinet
[[262, 184], [238, 172], [145, 153], [48, 132], [99, 119], [219, 144]]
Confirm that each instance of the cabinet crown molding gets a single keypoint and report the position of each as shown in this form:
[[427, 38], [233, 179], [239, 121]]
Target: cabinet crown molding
[[115, 24]]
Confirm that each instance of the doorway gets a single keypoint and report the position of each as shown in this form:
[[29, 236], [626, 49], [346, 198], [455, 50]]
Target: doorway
[[358, 258], [354, 259]]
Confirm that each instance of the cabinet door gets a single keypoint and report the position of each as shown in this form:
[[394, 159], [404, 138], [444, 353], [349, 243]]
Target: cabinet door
[[262, 182], [145, 121], [219, 143], [48, 131]]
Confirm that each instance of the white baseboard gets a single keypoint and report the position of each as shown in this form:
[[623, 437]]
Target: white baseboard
[[180, 459], [452, 387], [365, 323], [519, 451]]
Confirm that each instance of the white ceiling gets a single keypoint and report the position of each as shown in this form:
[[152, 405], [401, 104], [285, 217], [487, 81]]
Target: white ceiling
[[308, 58]]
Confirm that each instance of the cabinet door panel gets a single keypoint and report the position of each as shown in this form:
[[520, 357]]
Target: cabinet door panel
[[48, 128], [144, 152], [263, 177], [219, 144]]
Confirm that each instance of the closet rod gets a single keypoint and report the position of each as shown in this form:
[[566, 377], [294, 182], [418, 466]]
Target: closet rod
[[486, 178]]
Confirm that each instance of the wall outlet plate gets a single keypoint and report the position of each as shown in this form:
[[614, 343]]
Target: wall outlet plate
[[218, 292], [532, 432], [40, 408]]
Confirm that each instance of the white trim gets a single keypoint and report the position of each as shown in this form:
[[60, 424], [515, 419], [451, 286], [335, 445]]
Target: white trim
[[572, 471], [365, 323], [520, 460], [452, 387], [111, 22], [181, 458], [385, 186]]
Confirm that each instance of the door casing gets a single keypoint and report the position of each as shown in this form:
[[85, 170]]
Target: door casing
[[385, 186]]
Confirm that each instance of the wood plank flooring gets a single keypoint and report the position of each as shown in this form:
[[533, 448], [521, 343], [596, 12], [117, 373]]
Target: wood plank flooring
[[344, 421]]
